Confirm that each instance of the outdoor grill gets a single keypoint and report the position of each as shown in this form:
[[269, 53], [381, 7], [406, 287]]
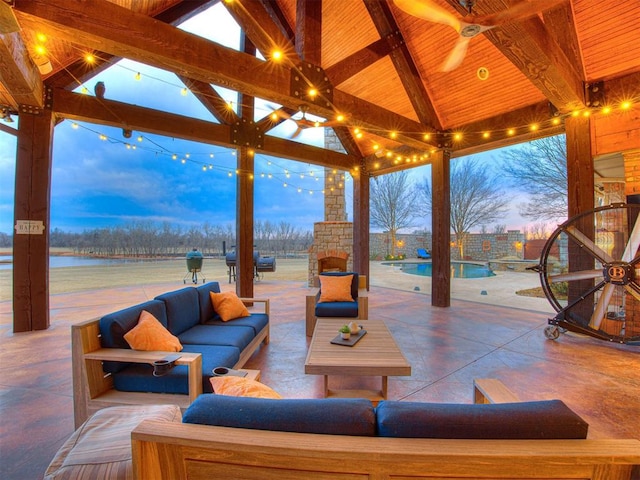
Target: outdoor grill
[[260, 265], [194, 265]]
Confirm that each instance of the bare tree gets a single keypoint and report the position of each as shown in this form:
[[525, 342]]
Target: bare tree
[[476, 198], [392, 204], [539, 168]]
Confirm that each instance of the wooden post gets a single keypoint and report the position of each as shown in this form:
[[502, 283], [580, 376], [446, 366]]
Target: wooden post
[[580, 198], [441, 227], [244, 224], [31, 221], [361, 211]]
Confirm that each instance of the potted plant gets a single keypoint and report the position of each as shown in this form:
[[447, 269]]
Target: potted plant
[[345, 332]]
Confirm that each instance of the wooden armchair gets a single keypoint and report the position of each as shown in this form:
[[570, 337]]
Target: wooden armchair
[[361, 299]]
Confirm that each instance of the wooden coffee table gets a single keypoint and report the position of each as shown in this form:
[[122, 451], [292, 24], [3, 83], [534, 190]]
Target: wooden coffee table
[[376, 354]]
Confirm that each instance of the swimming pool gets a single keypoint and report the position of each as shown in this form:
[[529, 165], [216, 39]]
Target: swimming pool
[[458, 269]]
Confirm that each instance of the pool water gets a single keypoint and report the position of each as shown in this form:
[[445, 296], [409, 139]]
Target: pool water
[[458, 269]]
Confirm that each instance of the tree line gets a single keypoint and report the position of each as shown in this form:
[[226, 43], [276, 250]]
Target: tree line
[[149, 239]]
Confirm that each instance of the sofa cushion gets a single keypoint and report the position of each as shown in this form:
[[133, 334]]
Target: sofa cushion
[[204, 300], [114, 326], [257, 321], [138, 377], [333, 416], [231, 335], [337, 309], [183, 310], [150, 335], [101, 447], [549, 419]]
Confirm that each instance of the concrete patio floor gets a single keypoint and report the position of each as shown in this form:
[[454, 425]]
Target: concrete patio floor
[[447, 348]]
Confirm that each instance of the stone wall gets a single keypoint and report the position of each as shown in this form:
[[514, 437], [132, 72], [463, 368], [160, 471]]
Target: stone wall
[[478, 246]]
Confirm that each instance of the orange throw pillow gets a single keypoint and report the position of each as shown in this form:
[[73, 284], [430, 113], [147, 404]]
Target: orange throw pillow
[[242, 387], [228, 306], [335, 288], [150, 335]]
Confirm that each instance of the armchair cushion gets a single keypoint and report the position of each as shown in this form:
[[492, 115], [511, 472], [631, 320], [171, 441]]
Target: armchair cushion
[[337, 309], [336, 288]]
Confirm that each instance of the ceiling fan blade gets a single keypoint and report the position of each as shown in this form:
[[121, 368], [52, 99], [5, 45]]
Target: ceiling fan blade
[[456, 56], [519, 11], [8, 21], [430, 11]]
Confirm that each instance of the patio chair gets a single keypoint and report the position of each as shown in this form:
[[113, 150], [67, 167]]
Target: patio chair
[[358, 308], [422, 253]]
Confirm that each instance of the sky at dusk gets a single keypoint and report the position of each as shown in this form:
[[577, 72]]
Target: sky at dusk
[[113, 181]]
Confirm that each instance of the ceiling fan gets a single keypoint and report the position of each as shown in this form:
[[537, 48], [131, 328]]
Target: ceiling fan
[[471, 25], [304, 123]]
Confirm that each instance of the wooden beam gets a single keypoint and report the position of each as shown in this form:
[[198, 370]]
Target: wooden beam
[[152, 42], [533, 50], [75, 106], [309, 31], [279, 147], [358, 61], [560, 23], [19, 76], [210, 99], [259, 25], [408, 73]]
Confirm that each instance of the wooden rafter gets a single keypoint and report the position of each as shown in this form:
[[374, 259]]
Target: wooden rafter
[[309, 31], [358, 61], [19, 76], [404, 64], [149, 41], [210, 99], [535, 52], [75, 106]]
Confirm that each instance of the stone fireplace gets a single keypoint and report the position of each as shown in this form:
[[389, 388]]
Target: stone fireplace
[[332, 248]]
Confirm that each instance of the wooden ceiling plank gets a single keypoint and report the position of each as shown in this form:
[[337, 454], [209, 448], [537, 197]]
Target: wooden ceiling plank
[[309, 31], [404, 64], [19, 75], [149, 41]]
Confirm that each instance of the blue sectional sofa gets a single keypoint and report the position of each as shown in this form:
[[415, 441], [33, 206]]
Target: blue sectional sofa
[[189, 315]]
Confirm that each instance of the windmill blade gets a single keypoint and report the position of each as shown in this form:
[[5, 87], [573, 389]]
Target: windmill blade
[[520, 11], [457, 55], [8, 21], [579, 275], [632, 245], [602, 306], [430, 11], [633, 291], [586, 242]]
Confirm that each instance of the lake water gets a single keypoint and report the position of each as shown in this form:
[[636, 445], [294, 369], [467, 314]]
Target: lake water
[[59, 261], [458, 269]]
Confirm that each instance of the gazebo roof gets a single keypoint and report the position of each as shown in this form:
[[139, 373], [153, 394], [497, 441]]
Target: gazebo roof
[[369, 60]]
